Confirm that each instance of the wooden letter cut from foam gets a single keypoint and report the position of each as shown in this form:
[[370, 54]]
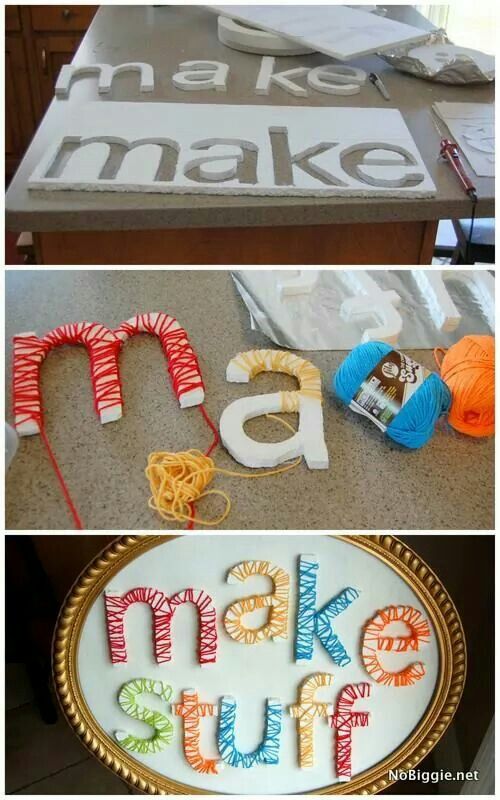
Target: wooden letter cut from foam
[[267, 77], [106, 73], [201, 75], [336, 79], [307, 441], [103, 346], [311, 622], [277, 603]]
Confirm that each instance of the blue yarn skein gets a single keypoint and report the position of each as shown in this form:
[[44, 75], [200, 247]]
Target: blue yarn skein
[[414, 425]]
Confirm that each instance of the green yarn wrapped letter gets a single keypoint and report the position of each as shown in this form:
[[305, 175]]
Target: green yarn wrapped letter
[[162, 726]]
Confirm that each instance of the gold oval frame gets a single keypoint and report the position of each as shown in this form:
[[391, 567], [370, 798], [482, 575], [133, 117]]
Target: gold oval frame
[[415, 572]]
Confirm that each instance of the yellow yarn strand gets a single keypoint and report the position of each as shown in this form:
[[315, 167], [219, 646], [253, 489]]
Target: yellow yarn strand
[[308, 376], [179, 479]]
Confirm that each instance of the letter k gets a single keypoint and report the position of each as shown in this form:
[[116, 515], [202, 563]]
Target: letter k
[[311, 622]]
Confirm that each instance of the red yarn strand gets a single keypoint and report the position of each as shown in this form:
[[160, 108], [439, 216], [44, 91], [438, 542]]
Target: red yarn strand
[[69, 502]]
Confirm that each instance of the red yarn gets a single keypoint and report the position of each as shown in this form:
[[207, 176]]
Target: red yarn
[[29, 352], [182, 362], [69, 502], [344, 720], [163, 608], [103, 346]]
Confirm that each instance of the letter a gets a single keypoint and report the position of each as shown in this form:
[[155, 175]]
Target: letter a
[[277, 602], [308, 440]]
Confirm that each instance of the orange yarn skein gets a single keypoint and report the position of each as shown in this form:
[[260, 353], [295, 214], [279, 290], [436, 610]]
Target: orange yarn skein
[[468, 369]]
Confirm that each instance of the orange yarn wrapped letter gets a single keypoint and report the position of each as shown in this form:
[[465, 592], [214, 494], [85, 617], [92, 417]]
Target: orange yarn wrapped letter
[[468, 369]]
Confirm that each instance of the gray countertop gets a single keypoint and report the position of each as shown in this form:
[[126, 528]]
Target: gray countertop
[[165, 36], [372, 484]]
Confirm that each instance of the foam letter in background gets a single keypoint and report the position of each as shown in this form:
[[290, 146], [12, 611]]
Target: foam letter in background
[[303, 282], [267, 77], [277, 602], [198, 75], [374, 641], [162, 726], [268, 750], [305, 712], [443, 310], [163, 609], [336, 79], [310, 621], [371, 301], [344, 720], [106, 74], [307, 441], [191, 710]]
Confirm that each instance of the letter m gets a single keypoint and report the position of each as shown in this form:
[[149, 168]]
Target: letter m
[[117, 150], [162, 609]]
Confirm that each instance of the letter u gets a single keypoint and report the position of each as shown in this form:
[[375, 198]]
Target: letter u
[[268, 750]]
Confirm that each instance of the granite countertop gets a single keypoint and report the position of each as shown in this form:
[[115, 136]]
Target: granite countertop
[[372, 484], [166, 36]]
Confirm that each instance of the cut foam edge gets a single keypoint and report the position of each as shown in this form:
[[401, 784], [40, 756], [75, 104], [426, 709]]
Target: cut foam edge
[[193, 397]]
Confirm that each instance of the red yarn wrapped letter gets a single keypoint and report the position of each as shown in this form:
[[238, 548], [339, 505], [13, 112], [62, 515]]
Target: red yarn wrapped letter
[[163, 609]]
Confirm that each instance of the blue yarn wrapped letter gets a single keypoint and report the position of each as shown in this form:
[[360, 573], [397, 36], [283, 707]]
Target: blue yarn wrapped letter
[[311, 622], [268, 750]]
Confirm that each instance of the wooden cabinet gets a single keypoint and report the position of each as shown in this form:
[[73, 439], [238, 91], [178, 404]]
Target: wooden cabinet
[[64, 19], [52, 52], [19, 117], [39, 40]]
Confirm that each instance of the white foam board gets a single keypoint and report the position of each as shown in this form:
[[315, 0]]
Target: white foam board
[[472, 125], [280, 151], [338, 31]]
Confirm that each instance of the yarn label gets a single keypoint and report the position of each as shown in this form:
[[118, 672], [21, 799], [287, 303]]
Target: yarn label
[[388, 387]]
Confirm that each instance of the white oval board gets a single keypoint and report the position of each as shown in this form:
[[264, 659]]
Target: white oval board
[[251, 673]]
